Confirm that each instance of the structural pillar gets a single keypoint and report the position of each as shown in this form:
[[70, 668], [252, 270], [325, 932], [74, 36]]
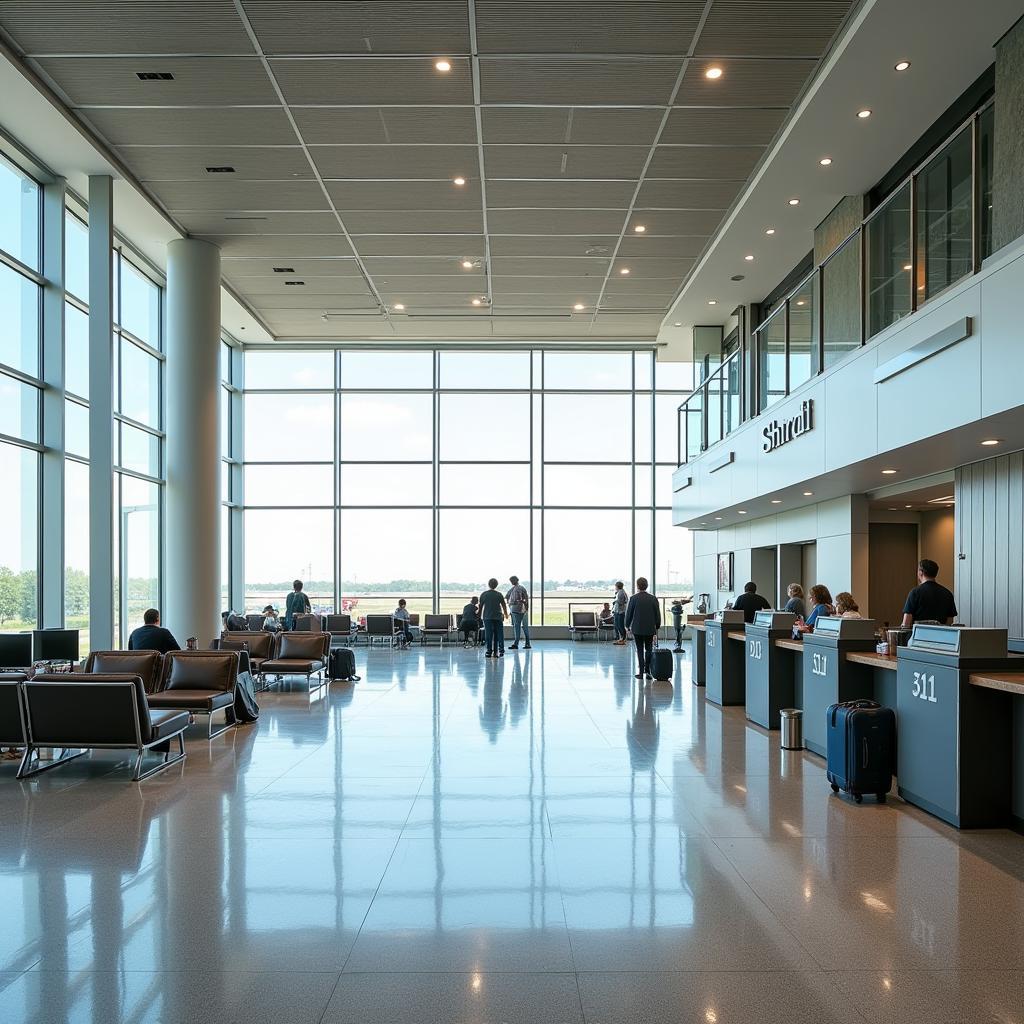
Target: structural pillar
[[193, 440]]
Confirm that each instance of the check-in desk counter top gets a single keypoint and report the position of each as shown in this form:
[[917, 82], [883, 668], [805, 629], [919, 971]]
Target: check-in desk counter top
[[699, 669], [886, 662], [725, 658], [955, 749], [769, 667], [830, 676]]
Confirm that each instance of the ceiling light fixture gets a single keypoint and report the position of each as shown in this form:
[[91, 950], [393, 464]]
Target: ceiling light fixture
[[903, 65], [718, 519], [794, 202], [640, 229], [808, 494], [579, 307], [888, 472], [679, 323], [800, 302], [776, 501], [908, 266], [862, 114], [712, 302], [825, 161], [990, 441], [467, 264], [624, 271], [769, 231], [741, 511], [398, 306], [908, 506], [459, 181], [477, 302], [713, 73], [748, 257], [443, 65]]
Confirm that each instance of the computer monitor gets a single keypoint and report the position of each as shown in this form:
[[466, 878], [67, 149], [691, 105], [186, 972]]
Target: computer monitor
[[15, 650], [55, 644]]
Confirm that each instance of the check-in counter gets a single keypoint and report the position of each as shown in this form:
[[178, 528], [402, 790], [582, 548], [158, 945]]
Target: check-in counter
[[955, 749], [769, 667], [699, 663], [829, 676], [725, 658]]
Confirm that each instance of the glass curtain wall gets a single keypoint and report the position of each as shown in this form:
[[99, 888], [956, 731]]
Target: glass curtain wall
[[419, 474], [20, 396]]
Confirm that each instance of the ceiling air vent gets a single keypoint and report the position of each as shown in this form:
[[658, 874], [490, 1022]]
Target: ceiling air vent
[[220, 170], [154, 76], [295, 284], [284, 270]]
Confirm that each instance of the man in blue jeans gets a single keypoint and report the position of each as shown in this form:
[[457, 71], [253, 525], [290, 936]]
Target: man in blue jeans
[[493, 612], [518, 601], [619, 601]]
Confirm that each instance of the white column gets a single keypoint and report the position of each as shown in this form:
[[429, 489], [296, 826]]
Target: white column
[[193, 440]]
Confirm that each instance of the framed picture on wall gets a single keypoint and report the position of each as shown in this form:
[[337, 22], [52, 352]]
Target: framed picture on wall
[[725, 571]]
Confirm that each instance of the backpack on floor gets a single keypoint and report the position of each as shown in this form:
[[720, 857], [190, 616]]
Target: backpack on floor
[[341, 664]]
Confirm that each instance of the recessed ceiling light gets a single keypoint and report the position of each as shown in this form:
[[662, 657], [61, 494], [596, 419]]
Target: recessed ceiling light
[[799, 302], [477, 302], [679, 323], [579, 306], [399, 306], [903, 65], [718, 519], [712, 302], [862, 114], [624, 270], [776, 501], [748, 257], [713, 72], [807, 494], [459, 181], [908, 266], [467, 264], [639, 228], [894, 509], [908, 506], [769, 231], [794, 202], [990, 441], [443, 65], [825, 161], [888, 472], [741, 511]]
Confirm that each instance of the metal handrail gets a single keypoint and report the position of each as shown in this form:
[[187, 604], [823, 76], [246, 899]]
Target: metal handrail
[[701, 392]]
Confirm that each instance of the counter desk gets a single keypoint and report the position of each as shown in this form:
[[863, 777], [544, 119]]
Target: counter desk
[[726, 683], [769, 667], [699, 669]]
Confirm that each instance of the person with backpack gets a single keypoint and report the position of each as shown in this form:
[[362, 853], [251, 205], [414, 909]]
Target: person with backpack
[[297, 603], [518, 601], [619, 601]]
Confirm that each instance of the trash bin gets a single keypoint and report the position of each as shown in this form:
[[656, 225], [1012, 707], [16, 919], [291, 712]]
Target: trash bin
[[792, 728]]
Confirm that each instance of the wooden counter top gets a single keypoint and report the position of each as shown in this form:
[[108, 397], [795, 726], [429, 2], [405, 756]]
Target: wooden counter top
[[790, 645], [736, 635], [1009, 682], [698, 626], [886, 661]]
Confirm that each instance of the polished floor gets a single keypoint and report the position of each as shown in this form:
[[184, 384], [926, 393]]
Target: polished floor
[[534, 839]]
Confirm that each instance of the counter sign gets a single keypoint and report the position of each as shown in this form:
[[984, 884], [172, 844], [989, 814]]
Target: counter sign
[[780, 432]]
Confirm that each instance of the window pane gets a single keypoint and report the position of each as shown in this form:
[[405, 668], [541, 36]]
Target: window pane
[[840, 282], [463, 571], [308, 555], [587, 428], [378, 428], [289, 370], [888, 263], [673, 573], [986, 131], [644, 495], [225, 481], [225, 423], [588, 371], [140, 384], [672, 376], [140, 451], [225, 362], [19, 409], [662, 486], [386, 551], [803, 346], [76, 257], [289, 485], [140, 548], [282, 427], [588, 485], [387, 369], [19, 470], [485, 485], [76, 429], [76, 550], [387, 485], [19, 215], [945, 217], [486, 427], [76, 351], [643, 367], [490, 371], [666, 410], [140, 305], [19, 315], [772, 353], [225, 559]]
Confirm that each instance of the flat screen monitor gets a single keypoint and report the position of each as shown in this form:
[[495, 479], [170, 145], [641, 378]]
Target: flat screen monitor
[[55, 644], [15, 650]]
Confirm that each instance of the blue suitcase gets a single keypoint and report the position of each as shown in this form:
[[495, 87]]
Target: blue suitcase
[[661, 664], [861, 748]]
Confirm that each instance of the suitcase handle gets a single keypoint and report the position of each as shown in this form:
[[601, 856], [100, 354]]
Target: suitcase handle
[[853, 704]]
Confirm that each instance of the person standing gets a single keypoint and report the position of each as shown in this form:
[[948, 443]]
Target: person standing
[[750, 602], [152, 636], [297, 603], [929, 600], [518, 601], [619, 601], [493, 612], [643, 617]]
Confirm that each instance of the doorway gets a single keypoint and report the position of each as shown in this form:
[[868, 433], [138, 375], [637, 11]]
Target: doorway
[[892, 568]]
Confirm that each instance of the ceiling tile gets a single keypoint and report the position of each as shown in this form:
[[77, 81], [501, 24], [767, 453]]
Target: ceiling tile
[[304, 268], [239, 195], [572, 194], [587, 288], [649, 268], [783, 28], [597, 162], [415, 222], [285, 247], [552, 245], [623, 126], [555, 222], [688, 195], [468, 282], [189, 163], [549, 266], [676, 222], [415, 266], [213, 126], [380, 125], [269, 292], [405, 195], [688, 246], [323, 223], [538, 125], [704, 161], [441, 163], [745, 82], [458, 247], [723, 126]]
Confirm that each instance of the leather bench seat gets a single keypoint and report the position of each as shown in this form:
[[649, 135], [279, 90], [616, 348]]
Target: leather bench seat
[[199, 700], [167, 723], [200, 682], [293, 666], [299, 654]]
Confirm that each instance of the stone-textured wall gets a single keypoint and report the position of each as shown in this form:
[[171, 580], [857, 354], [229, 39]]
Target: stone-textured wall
[[1008, 143]]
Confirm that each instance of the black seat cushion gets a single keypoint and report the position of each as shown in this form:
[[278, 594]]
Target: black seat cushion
[[167, 723], [193, 700], [200, 670], [288, 666]]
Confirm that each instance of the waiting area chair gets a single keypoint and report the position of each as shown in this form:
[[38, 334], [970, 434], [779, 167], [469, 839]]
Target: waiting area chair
[[12, 713], [583, 624], [97, 711], [255, 621], [468, 631], [308, 624], [439, 626], [341, 629], [299, 654], [605, 629], [382, 628], [259, 645], [201, 683], [145, 664]]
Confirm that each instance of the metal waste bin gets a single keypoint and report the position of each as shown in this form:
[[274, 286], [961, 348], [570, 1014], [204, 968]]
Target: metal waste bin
[[792, 728]]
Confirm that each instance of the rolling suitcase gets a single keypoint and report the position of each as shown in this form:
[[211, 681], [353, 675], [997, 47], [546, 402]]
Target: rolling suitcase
[[341, 664], [661, 664], [861, 748]]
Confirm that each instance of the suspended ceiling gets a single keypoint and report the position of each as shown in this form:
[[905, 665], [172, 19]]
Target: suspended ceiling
[[571, 124]]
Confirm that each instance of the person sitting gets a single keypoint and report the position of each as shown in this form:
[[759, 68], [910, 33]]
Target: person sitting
[[750, 602], [271, 623], [846, 606], [469, 623], [233, 622], [795, 605], [605, 614], [401, 616], [821, 601], [152, 636]]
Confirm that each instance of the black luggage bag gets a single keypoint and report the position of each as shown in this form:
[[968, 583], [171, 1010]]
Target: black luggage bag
[[861, 748], [661, 664], [341, 664]]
